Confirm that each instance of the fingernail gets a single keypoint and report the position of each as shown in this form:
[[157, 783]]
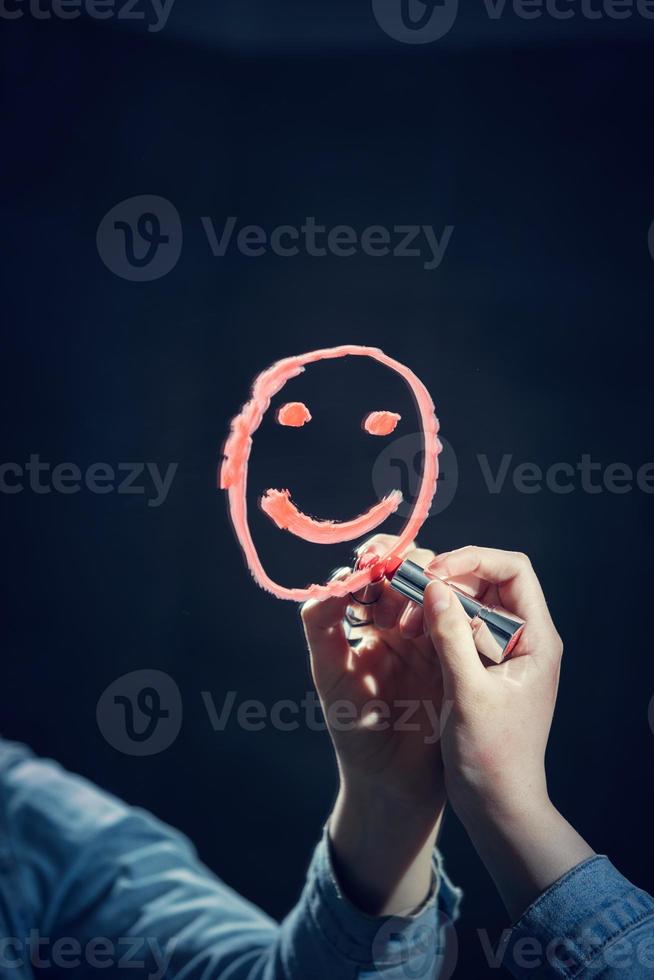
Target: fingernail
[[438, 567], [437, 597], [339, 573], [411, 622]]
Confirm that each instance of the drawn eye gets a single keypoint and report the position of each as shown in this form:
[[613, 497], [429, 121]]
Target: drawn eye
[[294, 414], [381, 423]]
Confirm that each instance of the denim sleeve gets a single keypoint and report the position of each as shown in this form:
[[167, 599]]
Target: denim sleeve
[[113, 888], [592, 922]]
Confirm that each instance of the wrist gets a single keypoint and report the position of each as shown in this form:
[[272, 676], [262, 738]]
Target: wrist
[[493, 807], [382, 801], [526, 846], [382, 846]]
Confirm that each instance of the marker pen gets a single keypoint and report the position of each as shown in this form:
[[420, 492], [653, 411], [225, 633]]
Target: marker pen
[[495, 634]]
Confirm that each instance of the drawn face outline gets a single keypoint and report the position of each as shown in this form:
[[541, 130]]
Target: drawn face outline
[[234, 469]]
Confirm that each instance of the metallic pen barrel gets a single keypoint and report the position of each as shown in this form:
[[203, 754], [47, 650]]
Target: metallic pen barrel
[[494, 633]]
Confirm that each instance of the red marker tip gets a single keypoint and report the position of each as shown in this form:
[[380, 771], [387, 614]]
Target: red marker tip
[[392, 565]]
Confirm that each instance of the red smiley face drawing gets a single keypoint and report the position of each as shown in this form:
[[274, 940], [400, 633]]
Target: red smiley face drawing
[[277, 504]]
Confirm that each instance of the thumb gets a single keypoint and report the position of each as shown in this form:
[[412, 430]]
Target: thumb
[[450, 632]]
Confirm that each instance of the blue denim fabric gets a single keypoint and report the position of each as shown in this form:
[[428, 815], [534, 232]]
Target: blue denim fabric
[[592, 922], [95, 887]]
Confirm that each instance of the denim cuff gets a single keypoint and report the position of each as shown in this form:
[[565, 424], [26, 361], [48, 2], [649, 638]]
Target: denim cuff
[[382, 941], [583, 921]]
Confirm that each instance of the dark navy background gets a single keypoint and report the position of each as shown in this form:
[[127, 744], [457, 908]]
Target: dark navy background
[[535, 141]]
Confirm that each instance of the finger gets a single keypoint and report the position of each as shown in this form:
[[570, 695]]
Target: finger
[[414, 650], [326, 638], [517, 583], [392, 603], [412, 623], [384, 603], [449, 629], [380, 544]]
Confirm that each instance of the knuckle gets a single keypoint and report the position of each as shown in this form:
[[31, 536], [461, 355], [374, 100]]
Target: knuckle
[[522, 558], [305, 610], [379, 543], [448, 626], [383, 539], [438, 627], [468, 550], [422, 556]]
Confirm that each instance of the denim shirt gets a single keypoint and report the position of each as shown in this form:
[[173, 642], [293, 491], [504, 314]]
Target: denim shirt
[[592, 922], [90, 886]]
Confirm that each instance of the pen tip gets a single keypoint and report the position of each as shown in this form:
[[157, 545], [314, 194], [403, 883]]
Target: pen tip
[[392, 565]]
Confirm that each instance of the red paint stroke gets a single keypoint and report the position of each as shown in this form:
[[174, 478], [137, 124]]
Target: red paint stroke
[[381, 423], [277, 504], [294, 414]]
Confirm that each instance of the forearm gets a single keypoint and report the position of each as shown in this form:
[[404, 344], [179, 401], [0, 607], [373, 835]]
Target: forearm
[[383, 850], [89, 866], [526, 846]]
